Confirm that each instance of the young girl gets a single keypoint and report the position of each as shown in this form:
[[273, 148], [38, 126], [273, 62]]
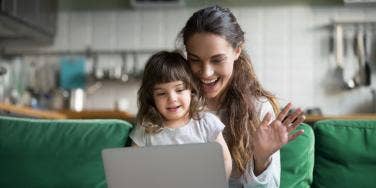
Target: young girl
[[170, 107]]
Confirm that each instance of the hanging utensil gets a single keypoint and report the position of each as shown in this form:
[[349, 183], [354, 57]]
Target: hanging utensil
[[124, 68], [350, 69], [338, 72], [367, 67], [360, 78]]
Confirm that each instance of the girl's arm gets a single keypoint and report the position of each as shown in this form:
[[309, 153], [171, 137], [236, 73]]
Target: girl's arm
[[134, 145], [226, 155]]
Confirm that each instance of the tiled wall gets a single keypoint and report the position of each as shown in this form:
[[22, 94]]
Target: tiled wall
[[289, 46]]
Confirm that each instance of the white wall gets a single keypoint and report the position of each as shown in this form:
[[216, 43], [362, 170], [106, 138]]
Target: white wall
[[289, 46]]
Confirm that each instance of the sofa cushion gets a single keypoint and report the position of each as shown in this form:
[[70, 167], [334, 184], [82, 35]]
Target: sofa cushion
[[297, 159], [56, 153], [345, 153]]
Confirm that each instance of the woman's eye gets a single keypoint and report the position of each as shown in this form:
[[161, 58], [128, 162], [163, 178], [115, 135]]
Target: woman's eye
[[160, 94], [180, 90], [216, 61], [193, 61]]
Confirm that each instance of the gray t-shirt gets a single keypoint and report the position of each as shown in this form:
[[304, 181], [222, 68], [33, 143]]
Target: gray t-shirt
[[205, 129]]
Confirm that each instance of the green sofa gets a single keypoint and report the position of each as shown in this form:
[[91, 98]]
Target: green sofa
[[331, 153], [56, 153], [66, 153]]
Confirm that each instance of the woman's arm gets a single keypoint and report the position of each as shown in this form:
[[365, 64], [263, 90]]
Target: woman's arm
[[270, 137], [226, 155], [269, 178]]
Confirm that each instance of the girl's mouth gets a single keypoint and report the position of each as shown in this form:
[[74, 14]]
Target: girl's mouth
[[173, 109]]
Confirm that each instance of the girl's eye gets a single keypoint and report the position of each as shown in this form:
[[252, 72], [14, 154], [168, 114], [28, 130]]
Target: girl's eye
[[180, 90], [160, 94]]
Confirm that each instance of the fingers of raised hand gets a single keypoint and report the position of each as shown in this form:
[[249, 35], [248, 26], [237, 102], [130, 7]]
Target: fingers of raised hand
[[281, 116], [265, 121], [280, 131], [295, 135], [296, 123], [292, 117]]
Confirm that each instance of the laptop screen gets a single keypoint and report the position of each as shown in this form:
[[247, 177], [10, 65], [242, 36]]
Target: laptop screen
[[183, 166]]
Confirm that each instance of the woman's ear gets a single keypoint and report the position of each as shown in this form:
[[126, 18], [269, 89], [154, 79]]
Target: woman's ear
[[238, 50]]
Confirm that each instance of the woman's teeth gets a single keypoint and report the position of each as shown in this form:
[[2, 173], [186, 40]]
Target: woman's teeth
[[209, 81]]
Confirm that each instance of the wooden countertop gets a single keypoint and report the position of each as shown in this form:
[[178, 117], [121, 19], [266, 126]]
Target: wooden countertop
[[66, 114], [314, 118], [113, 114], [99, 114], [31, 112]]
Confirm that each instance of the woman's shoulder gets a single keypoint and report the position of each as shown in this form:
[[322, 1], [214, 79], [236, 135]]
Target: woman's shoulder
[[263, 102], [263, 105]]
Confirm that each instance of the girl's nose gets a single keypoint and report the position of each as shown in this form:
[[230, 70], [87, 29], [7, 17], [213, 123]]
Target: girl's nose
[[172, 96]]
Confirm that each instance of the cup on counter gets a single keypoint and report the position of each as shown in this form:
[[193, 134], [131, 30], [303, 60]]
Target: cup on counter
[[77, 99], [122, 104]]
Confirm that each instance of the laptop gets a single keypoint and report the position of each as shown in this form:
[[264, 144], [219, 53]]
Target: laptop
[[172, 166]]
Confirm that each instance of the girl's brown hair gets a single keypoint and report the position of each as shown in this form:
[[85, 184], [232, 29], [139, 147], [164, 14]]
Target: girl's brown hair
[[165, 67], [238, 103]]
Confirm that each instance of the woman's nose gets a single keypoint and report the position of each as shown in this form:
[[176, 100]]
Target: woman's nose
[[207, 71]]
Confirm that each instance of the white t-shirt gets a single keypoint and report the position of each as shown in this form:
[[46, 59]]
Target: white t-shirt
[[270, 178], [206, 129]]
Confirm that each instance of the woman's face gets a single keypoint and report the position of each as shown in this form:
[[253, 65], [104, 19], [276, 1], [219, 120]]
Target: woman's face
[[211, 59]]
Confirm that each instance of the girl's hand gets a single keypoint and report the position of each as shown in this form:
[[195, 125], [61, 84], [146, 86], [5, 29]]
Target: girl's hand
[[226, 155], [270, 137]]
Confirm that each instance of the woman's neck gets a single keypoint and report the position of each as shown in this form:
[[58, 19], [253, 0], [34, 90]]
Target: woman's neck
[[213, 104]]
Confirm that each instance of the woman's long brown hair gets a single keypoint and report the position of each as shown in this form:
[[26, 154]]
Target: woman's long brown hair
[[238, 110]]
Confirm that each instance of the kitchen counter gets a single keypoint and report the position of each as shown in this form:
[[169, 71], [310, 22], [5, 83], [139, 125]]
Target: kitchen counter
[[114, 114], [66, 114], [30, 112], [99, 114], [314, 118]]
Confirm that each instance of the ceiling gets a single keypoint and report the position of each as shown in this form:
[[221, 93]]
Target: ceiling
[[68, 5]]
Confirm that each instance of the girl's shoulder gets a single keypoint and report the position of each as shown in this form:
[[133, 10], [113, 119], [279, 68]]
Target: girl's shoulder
[[210, 119], [138, 135], [207, 114], [209, 125]]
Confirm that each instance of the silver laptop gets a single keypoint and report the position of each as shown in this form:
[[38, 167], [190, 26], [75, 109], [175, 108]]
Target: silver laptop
[[174, 166]]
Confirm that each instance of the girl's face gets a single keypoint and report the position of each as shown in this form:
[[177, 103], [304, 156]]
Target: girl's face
[[211, 59], [172, 100]]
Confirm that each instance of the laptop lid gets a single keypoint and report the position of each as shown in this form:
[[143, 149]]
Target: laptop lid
[[172, 166]]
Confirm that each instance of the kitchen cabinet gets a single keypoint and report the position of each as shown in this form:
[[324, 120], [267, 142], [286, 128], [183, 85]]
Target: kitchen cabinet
[[33, 20]]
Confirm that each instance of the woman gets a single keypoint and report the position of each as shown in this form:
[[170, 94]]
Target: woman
[[214, 43]]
